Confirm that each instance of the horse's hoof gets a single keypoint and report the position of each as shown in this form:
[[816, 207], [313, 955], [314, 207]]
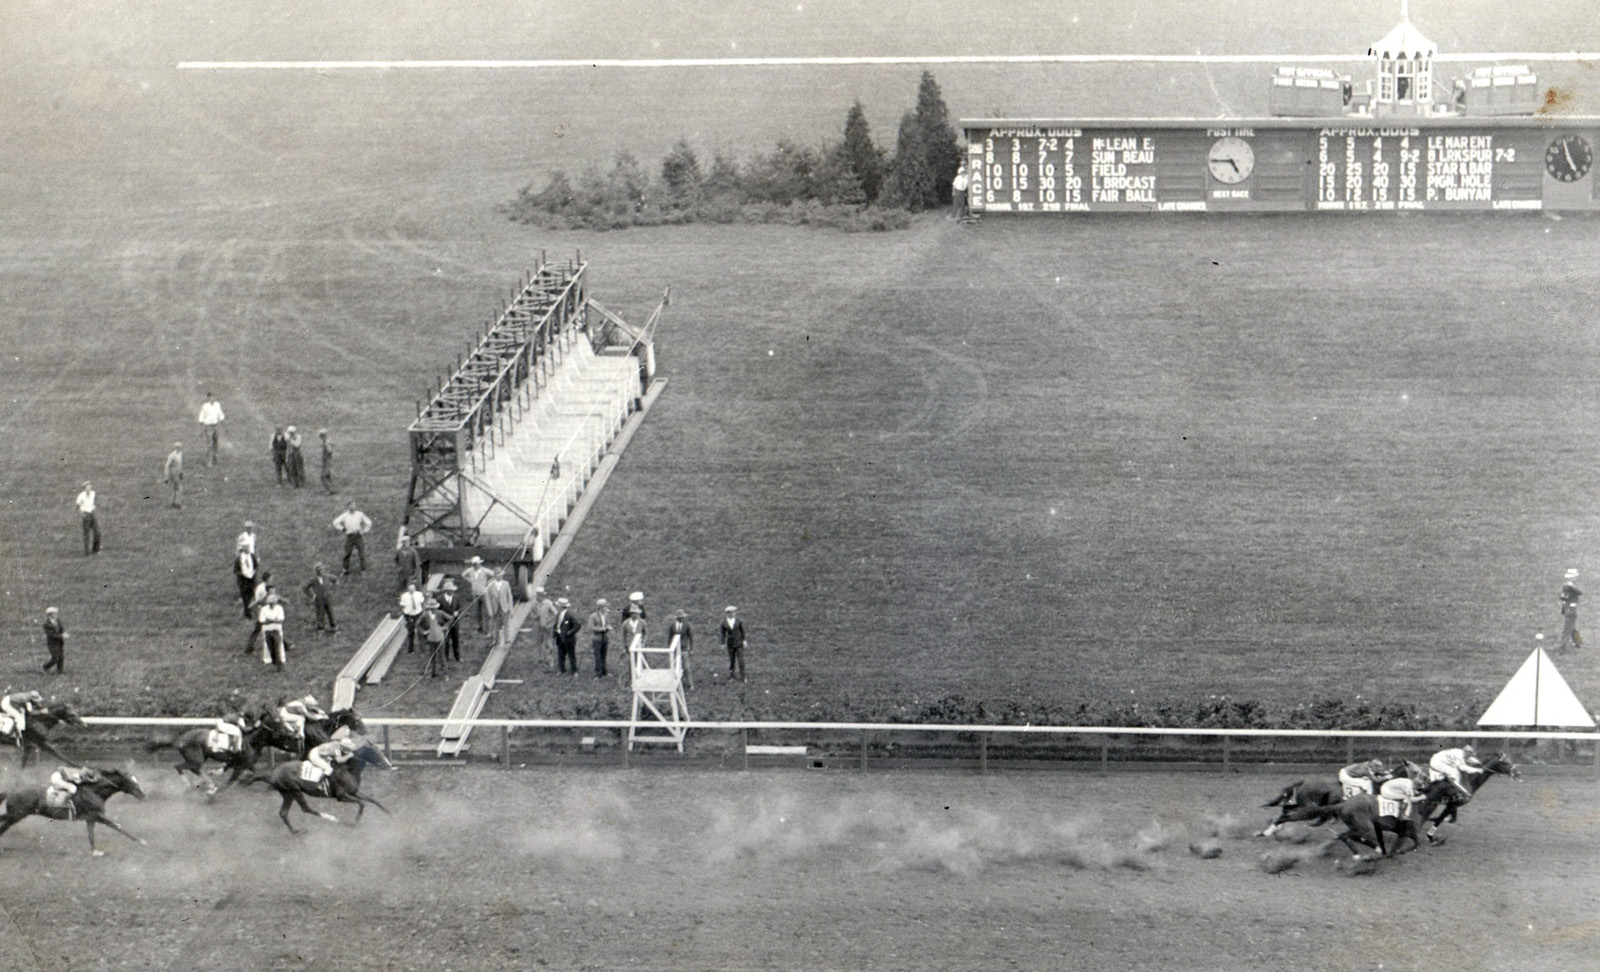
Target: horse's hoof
[[98, 853], [328, 816], [144, 843]]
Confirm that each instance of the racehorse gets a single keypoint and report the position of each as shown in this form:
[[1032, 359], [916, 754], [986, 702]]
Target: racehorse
[[1304, 794], [322, 730], [1443, 796], [88, 804], [33, 738], [194, 747], [342, 785], [1363, 824]]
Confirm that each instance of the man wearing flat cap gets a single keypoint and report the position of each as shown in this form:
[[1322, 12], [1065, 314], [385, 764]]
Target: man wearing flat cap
[[732, 633], [600, 636]]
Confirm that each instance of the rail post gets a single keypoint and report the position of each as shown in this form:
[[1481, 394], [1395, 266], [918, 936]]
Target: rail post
[[744, 746], [505, 747], [1227, 752], [1105, 752], [863, 766], [1349, 750], [983, 753], [386, 754]]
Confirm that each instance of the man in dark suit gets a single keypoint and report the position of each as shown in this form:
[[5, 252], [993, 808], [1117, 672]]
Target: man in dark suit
[[55, 639], [280, 455], [565, 632], [449, 611], [679, 628], [732, 631]]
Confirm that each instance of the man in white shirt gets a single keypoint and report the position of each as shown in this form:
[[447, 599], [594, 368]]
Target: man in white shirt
[[354, 524], [247, 539], [271, 617], [210, 417], [91, 527], [411, 603], [477, 577]]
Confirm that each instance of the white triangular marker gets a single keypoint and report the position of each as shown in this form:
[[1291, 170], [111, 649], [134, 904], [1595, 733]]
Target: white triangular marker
[[1537, 696]]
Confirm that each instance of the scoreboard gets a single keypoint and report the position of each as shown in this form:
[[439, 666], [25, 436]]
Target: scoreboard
[[1280, 164]]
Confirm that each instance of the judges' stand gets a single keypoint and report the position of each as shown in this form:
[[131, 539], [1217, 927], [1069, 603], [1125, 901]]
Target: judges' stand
[[659, 706]]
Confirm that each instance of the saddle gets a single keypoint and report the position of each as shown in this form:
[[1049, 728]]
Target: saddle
[[310, 773], [57, 799]]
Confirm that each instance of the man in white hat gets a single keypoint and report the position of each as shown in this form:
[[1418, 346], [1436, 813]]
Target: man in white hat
[[449, 609], [600, 636], [500, 600], [546, 611], [633, 627], [1569, 612], [271, 616], [731, 631], [564, 630], [478, 577]]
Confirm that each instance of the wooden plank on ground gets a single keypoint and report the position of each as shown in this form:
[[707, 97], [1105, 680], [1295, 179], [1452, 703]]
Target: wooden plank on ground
[[364, 656], [386, 656]]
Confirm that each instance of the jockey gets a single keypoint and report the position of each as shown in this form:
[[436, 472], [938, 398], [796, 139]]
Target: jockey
[[1396, 797], [1451, 763], [229, 730], [297, 713], [64, 783], [1362, 777], [330, 754], [17, 705]]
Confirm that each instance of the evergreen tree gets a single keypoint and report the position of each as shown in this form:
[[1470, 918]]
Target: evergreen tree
[[910, 182], [863, 157], [939, 141], [680, 173], [835, 180], [722, 182]]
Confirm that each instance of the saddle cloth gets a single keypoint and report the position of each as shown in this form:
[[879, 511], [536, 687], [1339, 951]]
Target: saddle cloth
[[1388, 807], [8, 725], [219, 742], [310, 773], [58, 799]]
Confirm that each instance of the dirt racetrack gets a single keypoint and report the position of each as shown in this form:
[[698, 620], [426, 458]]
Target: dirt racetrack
[[661, 868]]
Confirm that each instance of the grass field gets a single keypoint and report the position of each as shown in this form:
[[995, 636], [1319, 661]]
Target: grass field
[[1052, 462]]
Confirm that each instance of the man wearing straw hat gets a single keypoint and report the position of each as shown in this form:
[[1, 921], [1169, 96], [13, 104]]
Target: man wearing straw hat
[[1569, 612], [564, 629], [600, 634]]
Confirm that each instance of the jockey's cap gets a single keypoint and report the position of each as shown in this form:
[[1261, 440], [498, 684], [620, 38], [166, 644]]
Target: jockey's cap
[[1470, 750], [310, 700]]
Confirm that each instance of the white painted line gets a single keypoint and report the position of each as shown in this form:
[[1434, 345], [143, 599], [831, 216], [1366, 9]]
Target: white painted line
[[697, 62]]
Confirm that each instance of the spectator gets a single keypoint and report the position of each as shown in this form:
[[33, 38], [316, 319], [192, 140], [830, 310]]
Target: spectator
[[320, 590], [958, 193], [500, 600], [172, 474], [245, 569], [280, 455], [477, 577], [210, 418], [565, 632], [1569, 612], [546, 611], [354, 524], [247, 538], [55, 640], [295, 458], [434, 632], [412, 604], [91, 526], [408, 563], [327, 462], [258, 597], [600, 636], [449, 604], [733, 639], [679, 628], [632, 630], [273, 647]]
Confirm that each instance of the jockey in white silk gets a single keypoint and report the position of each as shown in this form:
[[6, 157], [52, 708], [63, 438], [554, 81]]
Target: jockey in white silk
[[1451, 763], [295, 714], [328, 755], [64, 784], [227, 736], [1396, 797], [18, 705]]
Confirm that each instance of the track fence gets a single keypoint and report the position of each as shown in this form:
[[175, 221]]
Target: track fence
[[861, 744]]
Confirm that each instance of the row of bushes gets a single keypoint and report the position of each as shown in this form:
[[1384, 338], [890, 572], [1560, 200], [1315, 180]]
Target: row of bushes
[[850, 184]]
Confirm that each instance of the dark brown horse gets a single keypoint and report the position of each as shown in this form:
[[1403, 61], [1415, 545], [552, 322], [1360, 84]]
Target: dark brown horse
[[88, 804], [319, 731], [194, 748], [1363, 824], [342, 785], [35, 739], [1441, 799]]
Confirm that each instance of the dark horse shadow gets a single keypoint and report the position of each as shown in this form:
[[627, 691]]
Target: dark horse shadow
[[342, 785], [194, 748], [1441, 800], [34, 739], [88, 804]]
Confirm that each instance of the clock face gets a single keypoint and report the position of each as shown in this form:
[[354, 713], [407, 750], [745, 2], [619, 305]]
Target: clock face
[[1231, 160], [1568, 158]]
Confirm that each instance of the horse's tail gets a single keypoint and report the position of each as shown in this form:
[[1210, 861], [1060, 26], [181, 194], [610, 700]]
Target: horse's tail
[[1288, 792]]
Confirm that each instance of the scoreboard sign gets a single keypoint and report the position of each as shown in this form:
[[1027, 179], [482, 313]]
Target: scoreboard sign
[[1282, 164]]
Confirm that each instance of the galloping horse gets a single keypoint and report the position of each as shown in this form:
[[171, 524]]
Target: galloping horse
[[322, 730], [194, 747], [1443, 796], [342, 785], [1363, 824], [88, 804], [1307, 794], [33, 738]]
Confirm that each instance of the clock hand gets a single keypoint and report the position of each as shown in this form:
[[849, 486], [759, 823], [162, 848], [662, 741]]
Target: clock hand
[[1566, 148], [1233, 163]]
